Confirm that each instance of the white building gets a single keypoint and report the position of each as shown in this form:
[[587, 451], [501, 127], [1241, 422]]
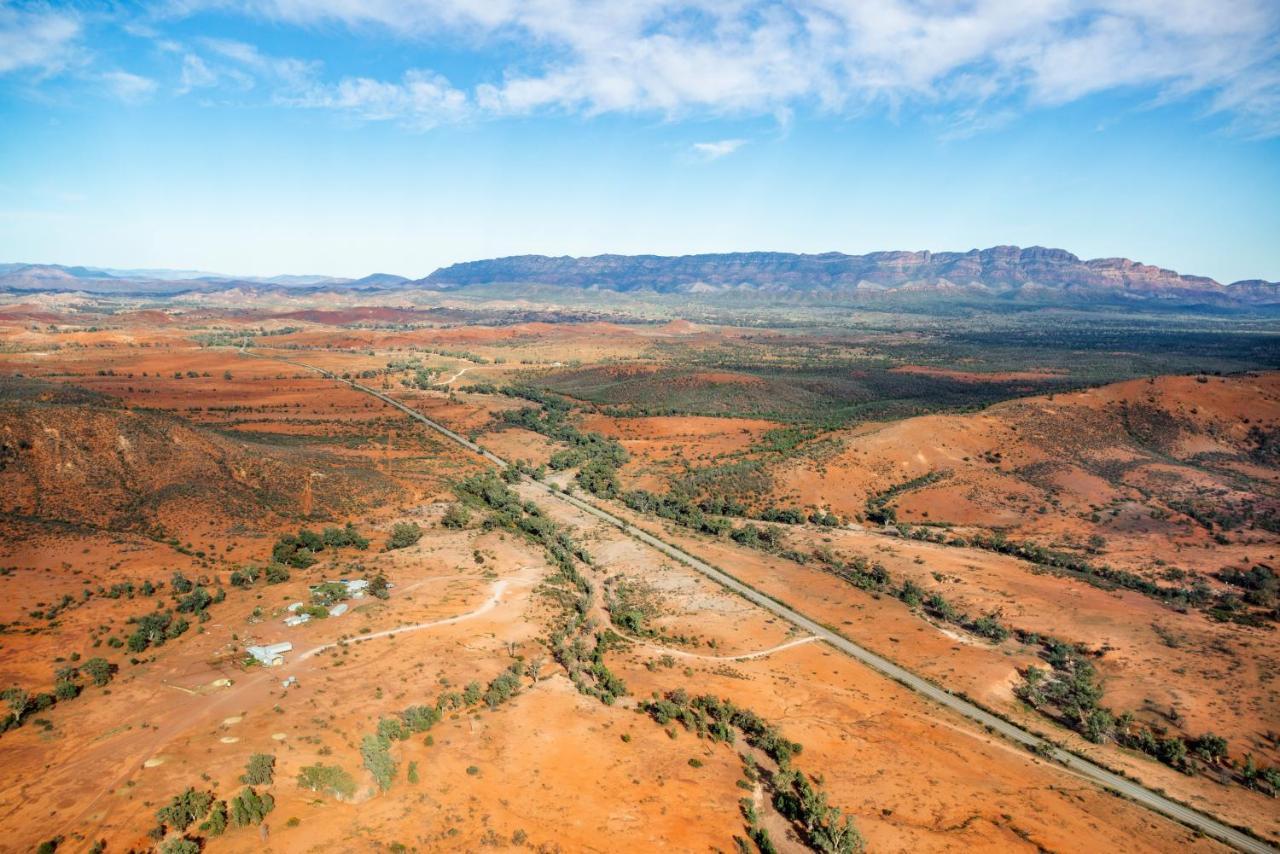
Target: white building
[[271, 655], [297, 619], [338, 610]]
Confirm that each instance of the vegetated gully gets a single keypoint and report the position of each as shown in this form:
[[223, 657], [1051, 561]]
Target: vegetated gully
[[1082, 767]]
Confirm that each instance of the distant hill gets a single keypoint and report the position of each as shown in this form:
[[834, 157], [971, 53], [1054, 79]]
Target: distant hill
[[55, 271], [160, 282], [380, 280], [1007, 272]]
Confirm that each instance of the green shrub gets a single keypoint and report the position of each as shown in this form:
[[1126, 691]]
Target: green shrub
[[327, 778], [420, 718], [245, 576], [195, 602], [375, 750], [216, 823], [505, 686], [250, 808], [260, 769], [392, 729], [403, 535], [99, 670], [336, 538], [456, 517], [185, 808], [472, 693], [154, 629]]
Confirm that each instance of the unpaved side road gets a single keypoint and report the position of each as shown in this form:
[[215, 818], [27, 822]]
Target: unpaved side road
[[495, 597], [745, 656]]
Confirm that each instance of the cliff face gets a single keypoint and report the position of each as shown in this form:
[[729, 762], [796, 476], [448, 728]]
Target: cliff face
[[1006, 271]]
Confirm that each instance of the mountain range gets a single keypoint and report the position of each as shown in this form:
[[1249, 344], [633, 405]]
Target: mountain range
[[57, 278], [1010, 273]]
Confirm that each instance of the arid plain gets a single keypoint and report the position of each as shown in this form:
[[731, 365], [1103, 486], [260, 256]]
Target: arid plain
[[1076, 535]]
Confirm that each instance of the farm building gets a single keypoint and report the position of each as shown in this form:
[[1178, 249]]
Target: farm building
[[270, 655]]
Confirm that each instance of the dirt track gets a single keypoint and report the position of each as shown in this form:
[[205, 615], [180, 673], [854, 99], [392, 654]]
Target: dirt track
[[746, 656], [492, 602]]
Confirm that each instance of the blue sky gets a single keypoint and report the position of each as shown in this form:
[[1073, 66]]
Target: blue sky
[[350, 137]]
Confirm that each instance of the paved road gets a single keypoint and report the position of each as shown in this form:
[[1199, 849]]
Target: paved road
[[1083, 767]]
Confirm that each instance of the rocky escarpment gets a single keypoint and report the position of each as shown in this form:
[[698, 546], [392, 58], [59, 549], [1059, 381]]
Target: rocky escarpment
[[1004, 271]]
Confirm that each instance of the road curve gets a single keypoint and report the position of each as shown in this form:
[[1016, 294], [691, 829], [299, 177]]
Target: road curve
[[452, 379], [746, 656], [1082, 767], [495, 597]]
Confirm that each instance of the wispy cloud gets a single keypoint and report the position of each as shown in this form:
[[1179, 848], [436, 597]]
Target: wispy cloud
[[287, 71], [420, 99], [196, 74], [38, 38], [128, 87], [716, 150], [46, 42]]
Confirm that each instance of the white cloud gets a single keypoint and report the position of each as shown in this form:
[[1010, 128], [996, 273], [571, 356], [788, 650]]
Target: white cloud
[[420, 100], [37, 38], [283, 70], [130, 88], [955, 58], [716, 150], [48, 41], [196, 74]]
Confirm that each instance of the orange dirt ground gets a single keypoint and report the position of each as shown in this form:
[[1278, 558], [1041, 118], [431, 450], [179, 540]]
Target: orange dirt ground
[[155, 473]]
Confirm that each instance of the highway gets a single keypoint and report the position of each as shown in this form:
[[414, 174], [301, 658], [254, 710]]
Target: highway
[[1082, 767]]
